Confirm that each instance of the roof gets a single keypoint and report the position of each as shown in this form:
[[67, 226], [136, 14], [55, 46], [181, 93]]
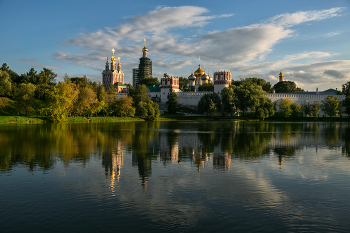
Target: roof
[[153, 88], [331, 90], [120, 84], [306, 93]]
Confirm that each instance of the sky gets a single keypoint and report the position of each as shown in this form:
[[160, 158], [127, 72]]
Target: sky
[[308, 40]]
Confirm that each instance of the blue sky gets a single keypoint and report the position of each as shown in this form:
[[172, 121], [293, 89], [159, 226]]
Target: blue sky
[[309, 40]]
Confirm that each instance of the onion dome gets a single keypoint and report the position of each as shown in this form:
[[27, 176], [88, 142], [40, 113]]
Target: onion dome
[[107, 64], [199, 72], [144, 45], [281, 74], [191, 77], [205, 77]]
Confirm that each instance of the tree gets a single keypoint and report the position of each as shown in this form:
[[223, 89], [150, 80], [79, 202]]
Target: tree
[[265, 108], [296, 109], [248, 95], [346, 105], [87, 99], [228, 99], [314, 109], [286, 86], [183, 84], [306, 108], [210, 103], [149, 81], [123, 106], [284, 106], [206, 87], [46, 76], [346, 88], [5, 83], [330, 106], [14, 77], [266, 86], [24, 96], [172, 105]]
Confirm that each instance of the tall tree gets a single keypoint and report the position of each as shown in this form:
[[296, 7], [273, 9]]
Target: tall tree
[[346, 88], [183, 84], [149, 81], [330, 106], [5, 83], [315, 109], [206, 87], [284, 107], [296, 109], [210, 103], [13, 75], [286, 86], [24, 96], [172, 105], [228, 99], [265, 108], [248, 95], [346, 105]]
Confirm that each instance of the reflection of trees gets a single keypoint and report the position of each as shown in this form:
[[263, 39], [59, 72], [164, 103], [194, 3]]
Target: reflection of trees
[[247, 140], [145, 148], [331, 133], [346, 138]]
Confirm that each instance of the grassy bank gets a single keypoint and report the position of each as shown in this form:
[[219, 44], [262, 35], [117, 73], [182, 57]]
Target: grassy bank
[[168, 117]]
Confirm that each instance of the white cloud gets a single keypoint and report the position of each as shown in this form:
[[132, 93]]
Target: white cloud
[[243, 49]]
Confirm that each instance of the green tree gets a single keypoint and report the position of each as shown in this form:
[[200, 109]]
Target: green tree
[[172, 105], [306, 108], [14, 77], [346, 105], [296, 109], [86, 104], [228, 99], [210, 103], [184, 84], [149, 81], [286, 86], [206, 87], [346, 88], [266, 86], [284, 107], [46, 76], [330, 106], [124, 106], [247, 96], [265, 108], [315, 109], [24, 96], [5, 84]]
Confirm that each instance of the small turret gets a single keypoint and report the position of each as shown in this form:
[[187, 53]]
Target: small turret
[[281, 76]]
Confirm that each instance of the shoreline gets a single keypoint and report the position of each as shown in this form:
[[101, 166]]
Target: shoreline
[[167, 117]]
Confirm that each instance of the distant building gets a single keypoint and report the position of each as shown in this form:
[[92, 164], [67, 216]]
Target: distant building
[[280, 76], [145, 67], [199, 77], [112, 75]]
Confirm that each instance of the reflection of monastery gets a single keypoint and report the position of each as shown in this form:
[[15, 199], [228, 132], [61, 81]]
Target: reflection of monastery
[[114, 76]]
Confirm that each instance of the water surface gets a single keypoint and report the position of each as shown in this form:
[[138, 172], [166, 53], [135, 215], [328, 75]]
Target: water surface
[[175, 177]]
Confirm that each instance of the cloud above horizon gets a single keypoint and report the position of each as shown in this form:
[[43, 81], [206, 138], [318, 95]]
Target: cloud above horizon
[[242, 48]]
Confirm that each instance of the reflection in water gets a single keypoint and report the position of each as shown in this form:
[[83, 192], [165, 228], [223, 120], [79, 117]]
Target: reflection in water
[[239, 163], [40, 146]]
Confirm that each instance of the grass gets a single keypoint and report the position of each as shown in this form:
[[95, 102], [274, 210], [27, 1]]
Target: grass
[[20, 119]]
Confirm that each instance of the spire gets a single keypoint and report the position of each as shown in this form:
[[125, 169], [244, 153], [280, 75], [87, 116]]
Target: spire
[[281, 76], [199, 61], [107, 62], [144, 50], [191, 70], [113, 61], [119, 66]]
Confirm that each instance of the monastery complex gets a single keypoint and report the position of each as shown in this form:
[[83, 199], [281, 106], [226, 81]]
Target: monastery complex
[[113, 75]]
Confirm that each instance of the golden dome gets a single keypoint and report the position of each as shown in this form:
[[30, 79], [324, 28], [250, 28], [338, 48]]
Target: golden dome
[[144, 49], [281, 74], [199, 72]]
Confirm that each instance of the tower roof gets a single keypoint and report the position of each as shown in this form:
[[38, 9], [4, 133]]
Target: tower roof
[[144, 45], [199, 72], [281, 74]]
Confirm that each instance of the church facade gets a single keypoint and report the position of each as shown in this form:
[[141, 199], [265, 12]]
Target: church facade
[[112, 75]]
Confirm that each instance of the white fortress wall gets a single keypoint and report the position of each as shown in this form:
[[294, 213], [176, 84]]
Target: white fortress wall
[[190, 98]]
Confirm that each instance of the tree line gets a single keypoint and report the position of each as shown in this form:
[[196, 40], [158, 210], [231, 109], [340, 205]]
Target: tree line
[[38, 93]]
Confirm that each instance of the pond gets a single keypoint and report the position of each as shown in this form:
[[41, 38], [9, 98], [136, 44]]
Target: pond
[[175, 177]]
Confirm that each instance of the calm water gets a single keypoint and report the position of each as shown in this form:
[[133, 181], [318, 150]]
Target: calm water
[[175, 177]]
